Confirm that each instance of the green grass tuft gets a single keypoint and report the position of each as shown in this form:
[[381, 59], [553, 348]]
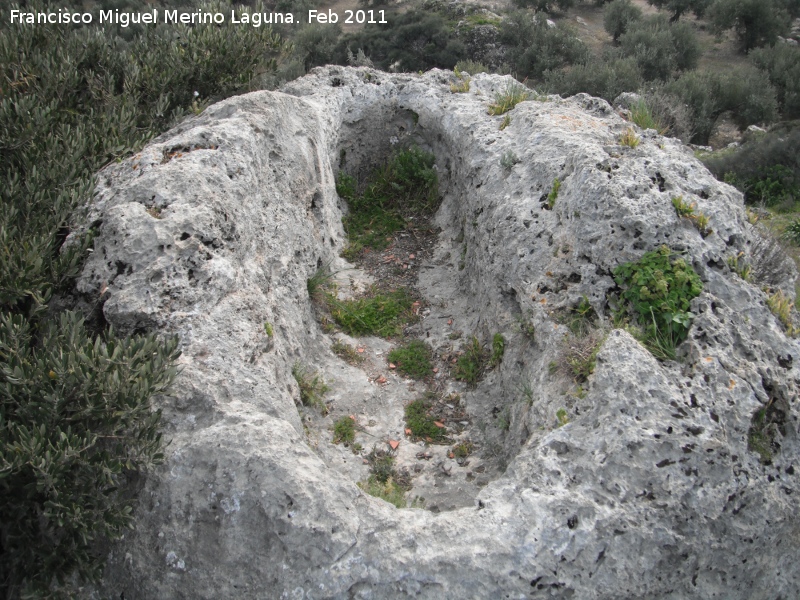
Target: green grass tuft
[[344, 431], [413, 359], [507, 99], [312, 388], [470, 365], [407, 186], [421, 422], [381, 314]]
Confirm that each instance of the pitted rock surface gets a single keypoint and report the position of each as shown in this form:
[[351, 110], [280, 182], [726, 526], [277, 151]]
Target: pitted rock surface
[[649, 491]]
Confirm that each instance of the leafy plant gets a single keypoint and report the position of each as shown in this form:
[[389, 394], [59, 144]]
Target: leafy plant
[[312, 388], [629, 138], [658, 289], [471, 364], [382, 314], [682, 208], [498, 349], [268, 329], [413, 359], [504, 101], [421, 423], [562, 416], [344, 431], [553, 194]]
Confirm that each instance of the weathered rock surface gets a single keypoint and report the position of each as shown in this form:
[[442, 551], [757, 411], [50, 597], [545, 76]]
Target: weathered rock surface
[[649, 491]]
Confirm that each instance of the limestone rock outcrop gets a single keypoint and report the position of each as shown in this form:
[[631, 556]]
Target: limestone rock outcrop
[[650, 491]]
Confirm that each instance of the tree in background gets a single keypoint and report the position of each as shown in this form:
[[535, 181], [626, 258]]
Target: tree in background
[[755, 22], [681, 7], [618, 15]]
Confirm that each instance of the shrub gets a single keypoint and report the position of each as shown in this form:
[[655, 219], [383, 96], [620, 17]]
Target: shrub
[[382, 314], [792, 232], [562, 416], [533, 47], [504, 101], [746, 93], [756, 22], [545, 5], [315, 45], [462, 449], [658, 289], [413, 359], [781, 62], [671, 116], [471, 67], [312, 387], [606, 78], [421, 423], [618, 15], [660, 48], [766, 168]]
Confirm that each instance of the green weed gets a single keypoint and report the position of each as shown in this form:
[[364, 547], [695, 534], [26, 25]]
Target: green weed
[[312, 388], [471, 364], [498, 349], [505, 122], [388, 491], [551, 197], [462, 449], [658, 289], [268, 329], [507, 99], [562, 416], [344, 431], [581, 357], [413, 359]]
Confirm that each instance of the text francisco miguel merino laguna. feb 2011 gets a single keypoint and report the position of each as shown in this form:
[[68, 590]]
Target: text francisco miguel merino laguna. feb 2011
[[198, 17]]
